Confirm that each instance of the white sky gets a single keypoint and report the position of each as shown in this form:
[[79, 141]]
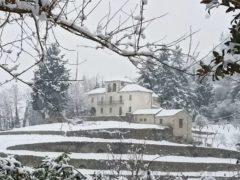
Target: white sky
[[181, 16]]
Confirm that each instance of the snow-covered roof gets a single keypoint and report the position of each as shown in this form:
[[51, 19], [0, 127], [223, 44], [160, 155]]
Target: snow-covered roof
[[96, 91], [122, 79], [135, 87], [147, 111], [168, 112]]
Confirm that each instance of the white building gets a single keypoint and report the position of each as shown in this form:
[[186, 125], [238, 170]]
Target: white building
[[178, 119], [121, 97]]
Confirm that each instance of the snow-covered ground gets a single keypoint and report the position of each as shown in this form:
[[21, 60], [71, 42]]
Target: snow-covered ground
[[31, 139], [12, 140], [89, 125], [106, 156], [224, 136], [161, 173]]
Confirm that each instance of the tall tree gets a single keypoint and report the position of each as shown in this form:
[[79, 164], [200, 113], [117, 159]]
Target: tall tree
[[51, 85], [171, 86], [16, 99]]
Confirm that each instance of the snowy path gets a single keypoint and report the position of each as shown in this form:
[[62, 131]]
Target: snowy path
[[105, 156], [13, 140], [89, 125], [161, 173]]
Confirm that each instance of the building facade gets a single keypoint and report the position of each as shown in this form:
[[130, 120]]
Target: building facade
[[120, 97], [178, 119]]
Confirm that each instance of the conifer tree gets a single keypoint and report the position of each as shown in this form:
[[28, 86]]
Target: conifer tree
[[170, 85], [50, 85]]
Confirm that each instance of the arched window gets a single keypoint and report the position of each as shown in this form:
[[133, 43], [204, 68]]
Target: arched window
[[109, 88], [114, 87]]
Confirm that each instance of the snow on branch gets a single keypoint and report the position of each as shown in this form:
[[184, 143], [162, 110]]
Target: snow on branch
[[35, 22]]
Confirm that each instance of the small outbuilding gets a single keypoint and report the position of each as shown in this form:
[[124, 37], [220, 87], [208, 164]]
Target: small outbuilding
[[178, 119]]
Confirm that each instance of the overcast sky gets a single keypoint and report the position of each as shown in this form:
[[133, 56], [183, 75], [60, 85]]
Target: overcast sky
[[181, 15]]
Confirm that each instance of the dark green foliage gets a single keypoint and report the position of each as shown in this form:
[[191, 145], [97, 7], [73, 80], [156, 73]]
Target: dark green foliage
[[221, 65], [171, 86], [51, 84], [204, 94]]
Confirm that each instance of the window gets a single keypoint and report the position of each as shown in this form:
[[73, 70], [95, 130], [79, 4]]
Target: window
[[101, 100], [110, 100], [114, 87], [101, 110], [109, 88], [130, 97], [110, 110], [141, 119], [120, 99], [120, 110], [130, 109], [92, 100], [160, 121], [93, 111], [180, 123], [145, 119]]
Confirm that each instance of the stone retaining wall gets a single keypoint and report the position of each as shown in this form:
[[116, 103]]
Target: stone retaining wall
[[150, 134], [155, 166], [122, 148]]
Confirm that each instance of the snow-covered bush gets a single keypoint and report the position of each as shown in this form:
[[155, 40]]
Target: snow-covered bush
[[11, 169], [201, 122], [57, 168], [50, 169]]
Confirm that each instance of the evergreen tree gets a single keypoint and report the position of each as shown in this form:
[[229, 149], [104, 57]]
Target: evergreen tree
[[170, 85], [50, 85], [204, 98]]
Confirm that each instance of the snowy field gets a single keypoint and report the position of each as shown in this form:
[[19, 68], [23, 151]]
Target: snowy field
[[224, 136], [89, 125], [13, 140], [30, 139], [197, 175], [105, 156]]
